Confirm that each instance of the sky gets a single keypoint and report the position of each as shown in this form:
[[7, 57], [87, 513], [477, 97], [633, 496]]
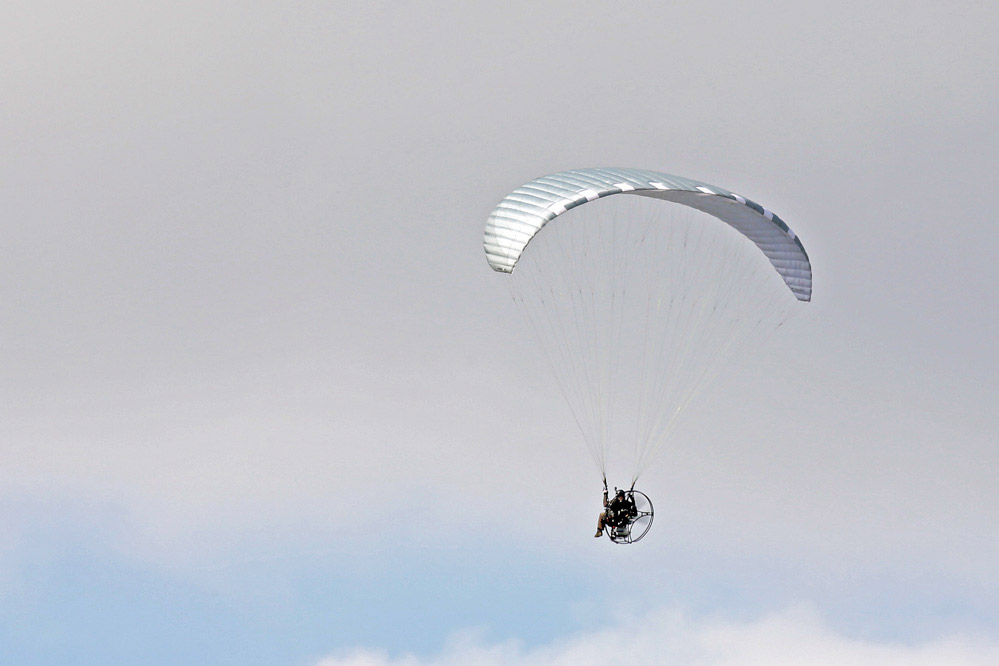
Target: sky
[[262, 401]]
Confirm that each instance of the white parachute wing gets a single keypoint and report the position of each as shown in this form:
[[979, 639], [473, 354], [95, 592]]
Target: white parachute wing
[[638, 299]]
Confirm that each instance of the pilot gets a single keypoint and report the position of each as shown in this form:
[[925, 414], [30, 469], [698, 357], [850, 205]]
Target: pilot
[[616, 512]]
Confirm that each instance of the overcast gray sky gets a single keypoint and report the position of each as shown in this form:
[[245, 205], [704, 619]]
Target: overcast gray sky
[[243, 289]]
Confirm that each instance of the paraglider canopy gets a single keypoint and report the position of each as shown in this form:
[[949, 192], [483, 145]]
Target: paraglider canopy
[[639, 286], [523, 213]]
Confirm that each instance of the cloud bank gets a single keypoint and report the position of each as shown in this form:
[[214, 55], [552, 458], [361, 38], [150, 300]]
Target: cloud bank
[[791, 637]]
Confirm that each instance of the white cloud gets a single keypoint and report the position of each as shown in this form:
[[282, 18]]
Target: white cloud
[[792, 637]]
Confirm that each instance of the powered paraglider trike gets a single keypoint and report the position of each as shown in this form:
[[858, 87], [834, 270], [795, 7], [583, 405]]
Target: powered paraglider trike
[[639, 287], [635, 524]]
